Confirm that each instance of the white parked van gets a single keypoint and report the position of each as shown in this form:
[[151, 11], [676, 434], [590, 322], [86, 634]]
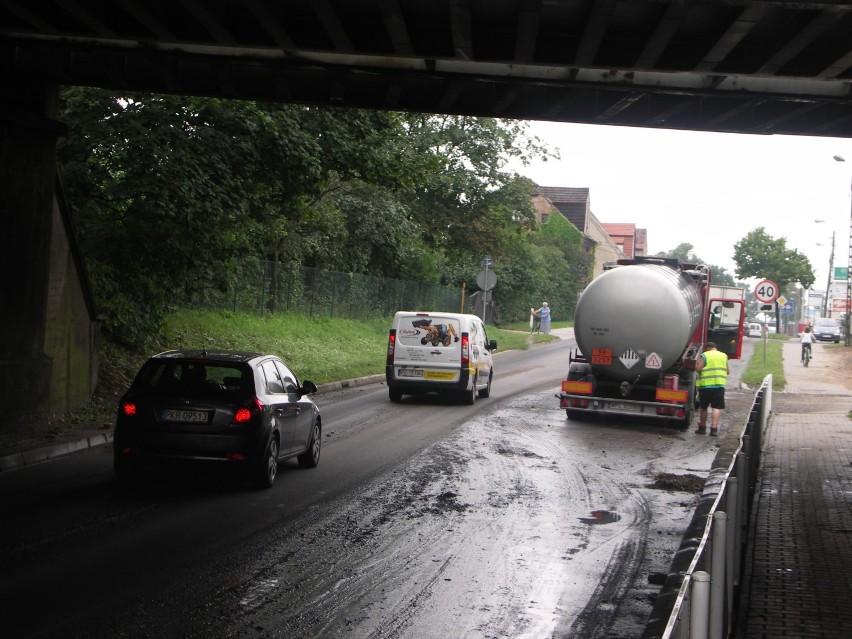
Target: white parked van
[[438, 352]]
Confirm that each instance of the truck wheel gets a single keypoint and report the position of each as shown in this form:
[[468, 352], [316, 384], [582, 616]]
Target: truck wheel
[[395, 394]]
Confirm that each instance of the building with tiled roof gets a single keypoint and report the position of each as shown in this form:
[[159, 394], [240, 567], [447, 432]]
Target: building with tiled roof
[[574, 204], [630, 239]]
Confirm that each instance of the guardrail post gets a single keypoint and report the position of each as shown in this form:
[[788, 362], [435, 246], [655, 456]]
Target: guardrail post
[[742, 510], [718, 574], [700, 609], [734, 496]]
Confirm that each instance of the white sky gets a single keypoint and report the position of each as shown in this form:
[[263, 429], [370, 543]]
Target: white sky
[[708, 189]]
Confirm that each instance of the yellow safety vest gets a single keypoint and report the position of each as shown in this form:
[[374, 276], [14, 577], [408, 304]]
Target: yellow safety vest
[[715, 371]]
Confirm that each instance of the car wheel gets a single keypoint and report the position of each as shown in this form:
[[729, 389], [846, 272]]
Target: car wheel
[[486, 392], [310, 458], [267, 469], [468, 397], [127, 471], [395, 394]]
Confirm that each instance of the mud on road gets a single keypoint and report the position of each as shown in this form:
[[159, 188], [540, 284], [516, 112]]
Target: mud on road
[[520, 524]]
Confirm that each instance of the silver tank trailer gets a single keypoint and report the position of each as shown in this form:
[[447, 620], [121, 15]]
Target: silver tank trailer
[[645, 314]]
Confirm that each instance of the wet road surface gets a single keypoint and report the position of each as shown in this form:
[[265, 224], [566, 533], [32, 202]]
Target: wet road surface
[[424, 519]]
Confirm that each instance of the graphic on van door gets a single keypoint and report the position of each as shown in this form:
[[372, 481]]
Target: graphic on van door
[[434, 334]]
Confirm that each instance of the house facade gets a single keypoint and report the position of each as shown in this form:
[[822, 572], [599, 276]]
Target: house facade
[[574, 204]]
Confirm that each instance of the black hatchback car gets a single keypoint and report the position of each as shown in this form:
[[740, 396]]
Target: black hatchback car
[[243, 410]]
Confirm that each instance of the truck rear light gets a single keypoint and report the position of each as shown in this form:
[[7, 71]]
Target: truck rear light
[[672, 396], [577, 387], [465, 350], [128, 408]]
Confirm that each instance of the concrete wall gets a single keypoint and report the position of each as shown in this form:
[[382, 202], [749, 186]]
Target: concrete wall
[[48, 362]]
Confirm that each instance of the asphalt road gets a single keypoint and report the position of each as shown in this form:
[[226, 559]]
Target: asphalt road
[[425, 518]]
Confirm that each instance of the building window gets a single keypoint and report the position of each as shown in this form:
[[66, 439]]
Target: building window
[[544, 217]]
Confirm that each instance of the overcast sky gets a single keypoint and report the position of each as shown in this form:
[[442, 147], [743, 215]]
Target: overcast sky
[[708, 189]]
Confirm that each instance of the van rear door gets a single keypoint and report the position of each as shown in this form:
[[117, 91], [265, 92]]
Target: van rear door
[[428, 348]]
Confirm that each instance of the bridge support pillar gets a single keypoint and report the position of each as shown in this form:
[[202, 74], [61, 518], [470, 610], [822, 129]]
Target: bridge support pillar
[[27, 177]]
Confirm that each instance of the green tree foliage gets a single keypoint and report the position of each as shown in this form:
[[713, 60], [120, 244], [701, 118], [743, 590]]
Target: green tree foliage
[[684, 253], [759, 254], [171, 193]]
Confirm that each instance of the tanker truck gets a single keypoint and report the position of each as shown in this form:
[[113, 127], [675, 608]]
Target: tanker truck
[[640, 328]]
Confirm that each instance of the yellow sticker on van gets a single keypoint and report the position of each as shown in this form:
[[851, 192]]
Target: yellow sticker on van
[[442, 375]]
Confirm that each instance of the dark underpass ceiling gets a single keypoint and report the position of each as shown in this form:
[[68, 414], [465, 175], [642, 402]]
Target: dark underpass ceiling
[[750, 67]]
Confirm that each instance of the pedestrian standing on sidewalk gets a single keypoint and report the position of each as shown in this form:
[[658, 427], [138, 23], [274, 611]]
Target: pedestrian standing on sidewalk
[[544, 315], [713, 371]]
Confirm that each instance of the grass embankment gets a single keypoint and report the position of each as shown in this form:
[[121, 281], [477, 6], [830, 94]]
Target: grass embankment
[[319, 349], [767, 359]]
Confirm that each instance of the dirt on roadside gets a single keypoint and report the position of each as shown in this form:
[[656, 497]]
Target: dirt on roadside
[[837, 368]]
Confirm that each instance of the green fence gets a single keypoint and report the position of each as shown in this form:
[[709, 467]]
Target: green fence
[[265, 287]]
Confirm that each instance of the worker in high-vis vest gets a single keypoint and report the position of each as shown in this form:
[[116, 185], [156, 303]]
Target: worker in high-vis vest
[[713, 371]]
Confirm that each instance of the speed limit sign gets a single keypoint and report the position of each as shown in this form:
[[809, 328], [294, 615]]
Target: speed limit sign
[[766, 291]]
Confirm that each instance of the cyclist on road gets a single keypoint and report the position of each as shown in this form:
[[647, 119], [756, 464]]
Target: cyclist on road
[[807, 339]]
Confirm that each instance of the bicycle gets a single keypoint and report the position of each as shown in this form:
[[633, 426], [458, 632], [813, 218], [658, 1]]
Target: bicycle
[[806, 354]]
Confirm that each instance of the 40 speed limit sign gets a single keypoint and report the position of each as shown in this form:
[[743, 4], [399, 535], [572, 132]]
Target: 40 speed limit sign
[[766, 291]]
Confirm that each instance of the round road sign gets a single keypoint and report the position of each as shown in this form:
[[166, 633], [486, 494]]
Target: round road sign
[[766, 291]]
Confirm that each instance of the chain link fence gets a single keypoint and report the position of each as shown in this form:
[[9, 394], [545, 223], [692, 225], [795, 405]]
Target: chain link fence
[[266, 287]]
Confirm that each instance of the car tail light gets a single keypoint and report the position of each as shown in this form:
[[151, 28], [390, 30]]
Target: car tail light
[[465, 350], [128, 408], [244, 414], [391, 346]]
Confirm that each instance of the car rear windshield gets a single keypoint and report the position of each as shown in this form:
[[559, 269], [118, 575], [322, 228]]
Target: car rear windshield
[[194, 378], [827, 323]]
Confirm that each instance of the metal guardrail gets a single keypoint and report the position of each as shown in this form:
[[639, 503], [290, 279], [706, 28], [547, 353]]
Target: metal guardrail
[[699, 598]]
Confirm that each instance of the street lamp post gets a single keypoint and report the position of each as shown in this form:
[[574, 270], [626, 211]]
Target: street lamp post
[[826, 309], [839, 158]]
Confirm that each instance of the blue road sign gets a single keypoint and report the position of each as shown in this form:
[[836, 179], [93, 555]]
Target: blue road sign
[[786, 308]]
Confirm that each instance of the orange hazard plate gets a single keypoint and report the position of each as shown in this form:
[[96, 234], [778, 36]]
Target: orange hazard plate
[[602, 356]]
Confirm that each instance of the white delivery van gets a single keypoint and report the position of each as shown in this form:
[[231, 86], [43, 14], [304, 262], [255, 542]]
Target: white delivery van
[[434, 352]]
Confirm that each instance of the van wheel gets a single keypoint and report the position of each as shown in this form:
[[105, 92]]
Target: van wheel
[[468, 397], [395, 394], [486, 392]]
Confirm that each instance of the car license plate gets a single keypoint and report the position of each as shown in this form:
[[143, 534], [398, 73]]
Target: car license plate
[[441, 375], [623, 406], [409, 372], [179, 415]]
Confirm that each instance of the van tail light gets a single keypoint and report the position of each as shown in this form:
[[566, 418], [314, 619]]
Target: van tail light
[[465, 350], [391, 346], [245, 413], [128, 408]]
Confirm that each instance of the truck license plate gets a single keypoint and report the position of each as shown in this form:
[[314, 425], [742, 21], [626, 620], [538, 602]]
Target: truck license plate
[[409, 372], [623, 406]]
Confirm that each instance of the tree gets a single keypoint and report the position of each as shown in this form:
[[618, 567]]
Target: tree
[[684, 253], [760, 255]]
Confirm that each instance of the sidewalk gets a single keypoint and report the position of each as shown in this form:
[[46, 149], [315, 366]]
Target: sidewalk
[[798, 574]]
